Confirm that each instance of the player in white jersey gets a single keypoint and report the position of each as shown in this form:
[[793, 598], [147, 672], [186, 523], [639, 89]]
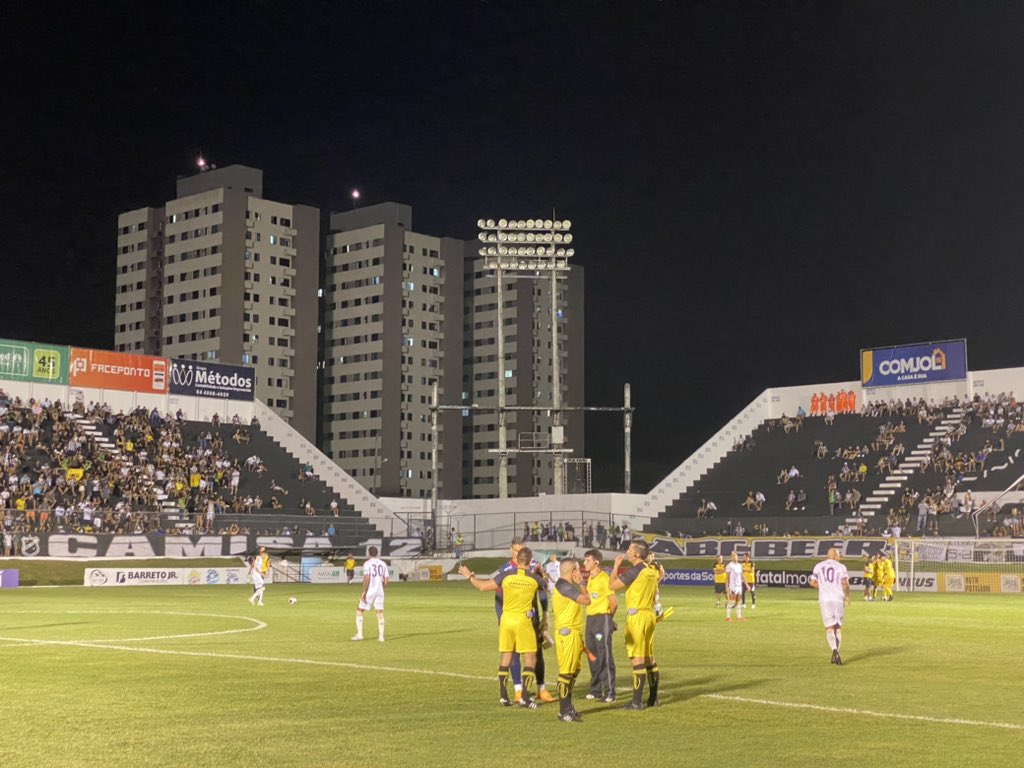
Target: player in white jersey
[[259, 566], [734, 588], [832, 581], [375, 578]]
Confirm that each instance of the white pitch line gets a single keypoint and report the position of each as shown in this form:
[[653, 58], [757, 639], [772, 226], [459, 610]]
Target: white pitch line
[[865, 712], [247, 657], [463, 676], [257, 626]]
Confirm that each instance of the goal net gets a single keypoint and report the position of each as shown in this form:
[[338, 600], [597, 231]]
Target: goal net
[[979, 566]]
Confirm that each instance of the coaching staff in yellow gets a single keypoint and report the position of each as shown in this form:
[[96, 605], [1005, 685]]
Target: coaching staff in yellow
[[641, 585], [600, 626]]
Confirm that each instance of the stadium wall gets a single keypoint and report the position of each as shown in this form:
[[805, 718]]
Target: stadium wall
[[491, 523]]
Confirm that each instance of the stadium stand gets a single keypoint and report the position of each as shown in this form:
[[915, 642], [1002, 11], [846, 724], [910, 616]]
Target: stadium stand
[[855, 473], [91, 470]]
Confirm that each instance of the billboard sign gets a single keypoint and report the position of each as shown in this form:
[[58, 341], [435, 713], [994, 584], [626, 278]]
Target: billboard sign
[[914, 364], [217, 380], [102, 369], [26, 361]]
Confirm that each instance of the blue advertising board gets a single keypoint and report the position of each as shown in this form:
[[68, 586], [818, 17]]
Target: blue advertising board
[[914, 363], [218, 380], [689, 577]]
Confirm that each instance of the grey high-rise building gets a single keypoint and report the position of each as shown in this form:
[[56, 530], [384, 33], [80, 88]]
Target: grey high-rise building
[[219, 273]]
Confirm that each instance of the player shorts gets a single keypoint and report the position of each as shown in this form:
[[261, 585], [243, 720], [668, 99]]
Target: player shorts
[[640, 634], [258, 582], [719, 589], [869, 582], [516, 633], [569, 647], [372, 601], [748, 587], [832, 613]]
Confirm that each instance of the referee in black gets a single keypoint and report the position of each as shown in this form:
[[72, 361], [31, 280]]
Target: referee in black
[[600, 626]]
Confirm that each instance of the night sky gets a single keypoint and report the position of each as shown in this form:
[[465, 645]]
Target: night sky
[[758, 190]]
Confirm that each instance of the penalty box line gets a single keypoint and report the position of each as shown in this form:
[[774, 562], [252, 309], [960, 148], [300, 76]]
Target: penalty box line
[[463, 676], [864, 712]]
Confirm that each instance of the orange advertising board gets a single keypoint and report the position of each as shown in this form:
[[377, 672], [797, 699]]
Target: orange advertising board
[[116, 370]]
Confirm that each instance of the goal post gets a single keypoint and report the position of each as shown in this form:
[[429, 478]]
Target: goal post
[[968, 566]]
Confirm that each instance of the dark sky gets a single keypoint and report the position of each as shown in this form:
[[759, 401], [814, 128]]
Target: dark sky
[[758, 190]]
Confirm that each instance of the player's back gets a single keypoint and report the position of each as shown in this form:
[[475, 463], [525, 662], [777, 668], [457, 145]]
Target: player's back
[[377, 570], [518, 588], [830, 575]]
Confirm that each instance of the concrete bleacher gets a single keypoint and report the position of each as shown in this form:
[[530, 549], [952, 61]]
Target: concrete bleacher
[[770, 449], [91, 470]]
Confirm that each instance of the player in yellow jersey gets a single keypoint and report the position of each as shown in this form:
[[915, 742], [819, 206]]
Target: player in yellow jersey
[[516, 633], [641, 585], [719, 570], [869, 578], [878, 571], [749, 574], [888, 577], [567, 602]]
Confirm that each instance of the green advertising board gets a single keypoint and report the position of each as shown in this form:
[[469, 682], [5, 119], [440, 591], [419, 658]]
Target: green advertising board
[[27, 361]]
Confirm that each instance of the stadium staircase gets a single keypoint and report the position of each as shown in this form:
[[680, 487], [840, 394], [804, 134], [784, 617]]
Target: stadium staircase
[[740, 471], [888, 492]]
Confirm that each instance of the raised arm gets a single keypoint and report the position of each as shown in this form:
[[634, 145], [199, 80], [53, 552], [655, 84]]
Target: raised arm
[[484, 585], [615, 582]]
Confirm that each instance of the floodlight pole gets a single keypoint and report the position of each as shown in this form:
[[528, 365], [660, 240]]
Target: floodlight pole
[[558, 461], [627, 436], [499, 274]]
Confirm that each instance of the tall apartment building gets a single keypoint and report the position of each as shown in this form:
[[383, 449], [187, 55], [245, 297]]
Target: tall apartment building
[[526, 376], [222, 274], [392, 325]]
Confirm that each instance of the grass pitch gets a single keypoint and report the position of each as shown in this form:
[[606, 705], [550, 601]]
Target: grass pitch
[[194, 676]]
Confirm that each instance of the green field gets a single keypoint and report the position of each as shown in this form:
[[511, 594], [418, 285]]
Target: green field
[[194, 676]]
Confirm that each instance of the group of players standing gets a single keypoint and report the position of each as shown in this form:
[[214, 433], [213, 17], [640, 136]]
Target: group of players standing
[[879, 574], [583, 623]]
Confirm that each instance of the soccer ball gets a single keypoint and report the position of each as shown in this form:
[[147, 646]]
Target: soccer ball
[[292, 601]]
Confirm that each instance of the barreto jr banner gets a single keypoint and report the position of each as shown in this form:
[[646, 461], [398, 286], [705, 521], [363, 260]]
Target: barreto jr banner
[[914, 363], [116, 370], [218, 380], [27, 361]]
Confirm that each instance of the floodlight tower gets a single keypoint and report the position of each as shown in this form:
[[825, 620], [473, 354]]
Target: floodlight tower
[[532, 248]]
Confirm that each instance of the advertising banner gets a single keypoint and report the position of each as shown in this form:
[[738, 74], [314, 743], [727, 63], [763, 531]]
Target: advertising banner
[[217, 380], [688, 578], [116, 370], [141, 577], [763, 548], [27, 361], [86, 545], [914, 363]]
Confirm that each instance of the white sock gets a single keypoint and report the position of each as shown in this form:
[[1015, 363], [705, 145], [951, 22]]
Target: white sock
[[831, 639], [728, 610], [380, 625], [739, 611], [839, 638], [518, 687], [359, 624]]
